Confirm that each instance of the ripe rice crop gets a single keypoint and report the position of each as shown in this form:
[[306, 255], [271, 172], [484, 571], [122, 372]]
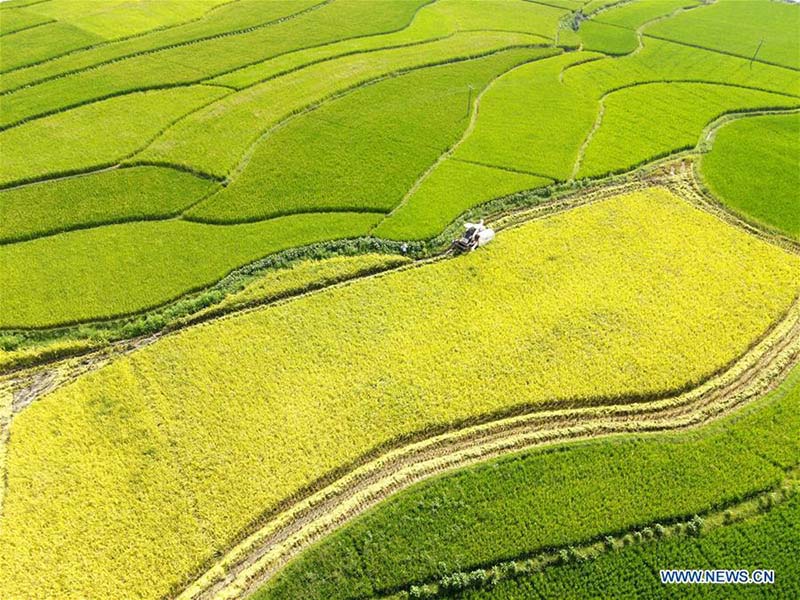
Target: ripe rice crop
[[101, 198], [121, 269], [93, 136], [362, 151], [181, 445], [304, 276], [555, 497], [754, 167]]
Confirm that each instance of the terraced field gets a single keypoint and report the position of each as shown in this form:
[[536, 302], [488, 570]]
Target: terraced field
[[238, 357]]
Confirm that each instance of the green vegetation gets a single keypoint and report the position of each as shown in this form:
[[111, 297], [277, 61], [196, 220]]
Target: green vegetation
[[100, 198], [229, 18], [214, 139], [569, 494], [16, 20], [754, 167], [94, 136], [121, 269], [739, 28], [40, 43], [120, 18], [606, 38], [449, 191], [364, 150], [766, 542], [648, 121], [192, 63], [219, 423]]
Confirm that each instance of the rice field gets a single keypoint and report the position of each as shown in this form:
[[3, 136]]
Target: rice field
[[226, 281], [221, 422]]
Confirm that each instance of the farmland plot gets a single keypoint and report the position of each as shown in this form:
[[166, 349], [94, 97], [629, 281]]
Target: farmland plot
[[766, 542], [93, 136], [192, 63], [754, 167], [170, 437], [362, 151], [550, 498], [96, 199], [126, 268]]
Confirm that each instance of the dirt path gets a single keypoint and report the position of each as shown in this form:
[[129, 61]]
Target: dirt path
[[255, 560]]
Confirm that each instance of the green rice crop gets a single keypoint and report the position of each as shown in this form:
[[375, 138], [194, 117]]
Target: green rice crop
[[120, 18], [182, 444], [738, 28], [754, 167], [214, 139], [231, 17], [364, 150], [195, 62], [525, 504], [121, 269], [537, 132], [15, 20], [644, 122], [93, 136], [609, 39], [40, 43], [96, 199], [764, 542], [632, 15], [664, 61], [433, 21], [450, 190]]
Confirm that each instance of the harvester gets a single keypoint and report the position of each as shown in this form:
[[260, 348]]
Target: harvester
[[475, 235]]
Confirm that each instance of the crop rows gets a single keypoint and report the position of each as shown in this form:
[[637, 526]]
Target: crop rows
[[114, 196], [217, 440], [522, 505], [762, 185], [766, 542]]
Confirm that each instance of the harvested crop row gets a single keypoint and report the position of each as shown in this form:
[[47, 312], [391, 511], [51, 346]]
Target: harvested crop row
[[167, 438], [551, 497]]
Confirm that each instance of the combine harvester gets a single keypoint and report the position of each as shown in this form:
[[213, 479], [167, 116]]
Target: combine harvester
[[475, 236]]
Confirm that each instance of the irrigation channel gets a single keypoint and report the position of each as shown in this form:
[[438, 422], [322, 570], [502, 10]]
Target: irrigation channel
[[279, 537]]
